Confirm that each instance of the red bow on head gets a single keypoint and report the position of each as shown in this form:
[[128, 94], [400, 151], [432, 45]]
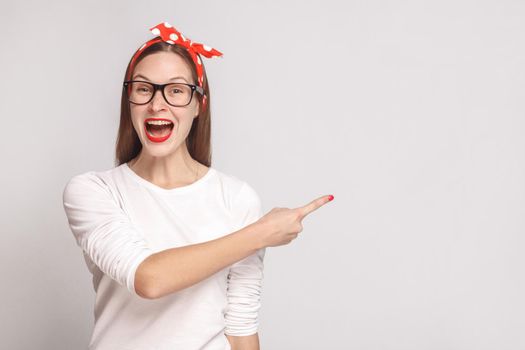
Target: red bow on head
[[169, 34]]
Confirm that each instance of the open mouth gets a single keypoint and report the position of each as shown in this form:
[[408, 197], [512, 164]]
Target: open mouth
[[158, 127], [158, 130]]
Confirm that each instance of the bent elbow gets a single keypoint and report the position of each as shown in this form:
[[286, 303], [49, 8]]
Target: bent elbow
[[145, 292], [150, 281], [148, 290], [143, 286]]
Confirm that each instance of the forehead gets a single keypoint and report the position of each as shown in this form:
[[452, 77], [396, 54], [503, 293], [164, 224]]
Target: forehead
[[162, 66]]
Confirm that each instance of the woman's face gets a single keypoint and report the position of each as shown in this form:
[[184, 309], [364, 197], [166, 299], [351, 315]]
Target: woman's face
[[163, 68]]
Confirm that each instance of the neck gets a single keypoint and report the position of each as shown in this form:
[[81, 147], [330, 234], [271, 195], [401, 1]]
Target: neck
[[169, 171]]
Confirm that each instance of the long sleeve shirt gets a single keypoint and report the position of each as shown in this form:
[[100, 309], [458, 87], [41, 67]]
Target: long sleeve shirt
[[119, 219]]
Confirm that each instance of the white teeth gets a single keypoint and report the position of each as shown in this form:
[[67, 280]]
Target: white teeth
[[158, 122]]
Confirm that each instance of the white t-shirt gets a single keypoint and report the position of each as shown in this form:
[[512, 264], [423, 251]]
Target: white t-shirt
[[119, 218]]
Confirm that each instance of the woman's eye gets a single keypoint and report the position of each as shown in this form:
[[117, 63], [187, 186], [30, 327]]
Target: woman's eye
[[176, 91]]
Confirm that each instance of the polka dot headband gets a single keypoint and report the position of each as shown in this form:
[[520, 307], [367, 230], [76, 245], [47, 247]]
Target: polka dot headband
[[166, 32]]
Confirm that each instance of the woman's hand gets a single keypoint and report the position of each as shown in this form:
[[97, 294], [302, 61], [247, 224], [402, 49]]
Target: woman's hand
[[282, 225]]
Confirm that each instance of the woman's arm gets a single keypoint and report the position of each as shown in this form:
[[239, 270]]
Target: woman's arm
[[173, 269], [116, 246], [249, 342]]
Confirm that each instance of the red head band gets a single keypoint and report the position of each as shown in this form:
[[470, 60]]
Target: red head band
[[166, 32]]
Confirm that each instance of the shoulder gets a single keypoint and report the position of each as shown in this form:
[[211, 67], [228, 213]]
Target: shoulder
[[236, 191], [90, 182]]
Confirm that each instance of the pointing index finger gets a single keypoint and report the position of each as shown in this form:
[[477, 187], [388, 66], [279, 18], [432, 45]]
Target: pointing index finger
[[314, 205]]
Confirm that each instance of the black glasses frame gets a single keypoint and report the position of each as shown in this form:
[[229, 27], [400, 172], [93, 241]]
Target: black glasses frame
[[161, 87]]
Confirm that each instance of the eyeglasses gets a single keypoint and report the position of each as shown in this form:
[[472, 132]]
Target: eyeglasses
[[175, 94]]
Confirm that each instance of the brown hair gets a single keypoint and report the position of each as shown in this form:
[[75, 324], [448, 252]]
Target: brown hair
[[198, 141]]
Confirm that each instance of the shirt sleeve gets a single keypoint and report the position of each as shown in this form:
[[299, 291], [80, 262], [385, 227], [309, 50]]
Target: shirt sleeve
[[245, 276], [103, 230]]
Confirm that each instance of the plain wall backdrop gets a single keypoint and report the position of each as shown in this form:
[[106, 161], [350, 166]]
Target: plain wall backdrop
[[409, 112]]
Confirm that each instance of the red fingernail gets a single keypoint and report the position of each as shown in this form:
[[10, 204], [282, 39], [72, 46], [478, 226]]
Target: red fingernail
[[330, 197]]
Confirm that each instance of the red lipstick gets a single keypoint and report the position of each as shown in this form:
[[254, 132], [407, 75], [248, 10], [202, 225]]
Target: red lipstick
[[154, 138]]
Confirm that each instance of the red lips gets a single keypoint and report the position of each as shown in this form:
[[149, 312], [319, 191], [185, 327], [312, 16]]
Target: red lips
[[157, 139]]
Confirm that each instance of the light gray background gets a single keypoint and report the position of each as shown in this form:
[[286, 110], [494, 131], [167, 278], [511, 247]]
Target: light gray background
[[410, 112]]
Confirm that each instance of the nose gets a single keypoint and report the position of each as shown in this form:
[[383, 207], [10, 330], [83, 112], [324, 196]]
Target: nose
[[158, 102]]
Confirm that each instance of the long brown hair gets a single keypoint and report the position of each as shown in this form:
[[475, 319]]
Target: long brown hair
[[198, 142]]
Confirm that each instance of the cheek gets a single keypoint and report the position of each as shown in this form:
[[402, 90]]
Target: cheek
[[188, 114], [135, 122], [195, 107]]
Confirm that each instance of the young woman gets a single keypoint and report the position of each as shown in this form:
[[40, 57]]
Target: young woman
[[175, 246]]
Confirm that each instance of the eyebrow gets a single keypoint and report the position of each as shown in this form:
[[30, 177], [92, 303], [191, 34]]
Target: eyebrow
[[177, 77]]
